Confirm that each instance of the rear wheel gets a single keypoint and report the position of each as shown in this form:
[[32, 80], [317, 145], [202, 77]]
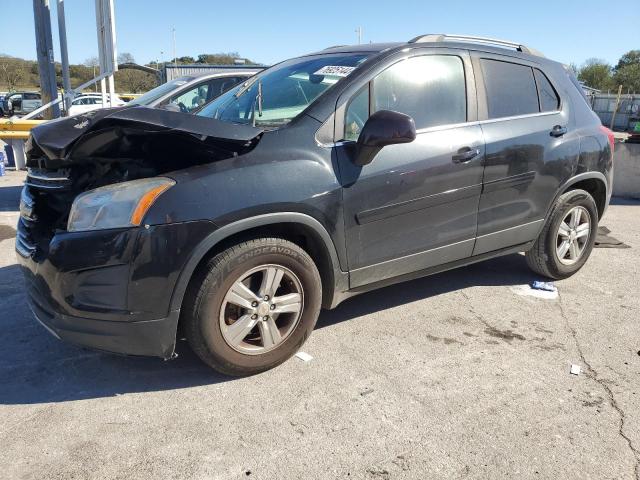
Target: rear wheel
[[566, 241], [252, 306]]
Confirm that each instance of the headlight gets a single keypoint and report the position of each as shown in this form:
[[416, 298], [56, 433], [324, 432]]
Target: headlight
[[116, 206]]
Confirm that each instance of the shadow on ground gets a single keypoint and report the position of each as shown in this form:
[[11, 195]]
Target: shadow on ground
[[37, 368]]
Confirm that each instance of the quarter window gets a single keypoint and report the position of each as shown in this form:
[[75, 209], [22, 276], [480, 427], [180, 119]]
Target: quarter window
[[429, 88], [511, 89], [549, 100]]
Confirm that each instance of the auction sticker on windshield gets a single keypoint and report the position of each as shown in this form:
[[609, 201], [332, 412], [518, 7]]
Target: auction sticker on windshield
[[335, 70]]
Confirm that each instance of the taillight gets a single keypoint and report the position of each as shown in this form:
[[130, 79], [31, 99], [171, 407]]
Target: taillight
[[609, 134]]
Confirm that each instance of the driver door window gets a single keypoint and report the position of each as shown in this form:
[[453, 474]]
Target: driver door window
[[191, 99], [429, 88]]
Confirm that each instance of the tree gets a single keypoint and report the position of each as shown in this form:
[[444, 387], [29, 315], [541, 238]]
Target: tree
[[12, 72], [222, 58], [632, 57], [596, 73], [627, 72], [126, 57], [628, 77], [185, 60]]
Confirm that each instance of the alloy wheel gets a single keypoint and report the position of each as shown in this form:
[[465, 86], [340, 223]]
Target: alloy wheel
[[573, 235], [261, 309]]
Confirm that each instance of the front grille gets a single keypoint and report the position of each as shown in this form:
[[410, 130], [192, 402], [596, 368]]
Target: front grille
[[48, 180]]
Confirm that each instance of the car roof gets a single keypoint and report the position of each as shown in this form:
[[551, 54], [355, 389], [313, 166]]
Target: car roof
[[500, 47]]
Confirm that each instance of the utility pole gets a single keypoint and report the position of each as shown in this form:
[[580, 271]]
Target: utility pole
[[359, 32], [44, 48], [175, 60], [64, 54], [615, 110]]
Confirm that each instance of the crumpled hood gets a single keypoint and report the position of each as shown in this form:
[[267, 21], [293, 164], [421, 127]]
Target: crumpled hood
[[65, 138]]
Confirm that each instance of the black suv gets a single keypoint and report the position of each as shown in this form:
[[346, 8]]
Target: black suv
[[319, 178]]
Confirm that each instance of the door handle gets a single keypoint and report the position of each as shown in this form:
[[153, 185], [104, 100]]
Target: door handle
[[465, 154], [558, 131]]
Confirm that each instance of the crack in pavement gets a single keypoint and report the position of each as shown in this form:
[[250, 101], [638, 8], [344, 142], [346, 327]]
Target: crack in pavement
[[590, 372], [593, 374]]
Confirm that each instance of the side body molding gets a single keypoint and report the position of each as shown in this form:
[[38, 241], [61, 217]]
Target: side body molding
[[340, 282]]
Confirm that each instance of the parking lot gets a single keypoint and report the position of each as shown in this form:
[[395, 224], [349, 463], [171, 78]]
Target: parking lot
[[451, 376]]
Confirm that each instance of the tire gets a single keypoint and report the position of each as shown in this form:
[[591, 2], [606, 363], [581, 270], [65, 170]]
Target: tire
[[218, 309], [546, 256]]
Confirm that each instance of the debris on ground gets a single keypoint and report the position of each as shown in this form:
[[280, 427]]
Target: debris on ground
[[575, 369], [529, 291], [544, 286], [604, 240], [305, 357]]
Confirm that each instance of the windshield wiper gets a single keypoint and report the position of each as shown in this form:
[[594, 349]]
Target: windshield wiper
[[259, 102]]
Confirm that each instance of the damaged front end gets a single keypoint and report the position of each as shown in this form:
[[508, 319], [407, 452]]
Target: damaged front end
[[67, 157], [90, 278]]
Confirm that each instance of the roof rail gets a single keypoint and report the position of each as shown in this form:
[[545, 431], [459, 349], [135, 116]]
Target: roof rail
[[442, 37], [334, 46]]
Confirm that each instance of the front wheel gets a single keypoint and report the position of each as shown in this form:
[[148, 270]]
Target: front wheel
[[252, 306], [566, 241]]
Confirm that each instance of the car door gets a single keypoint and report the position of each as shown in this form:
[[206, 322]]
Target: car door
[[415, 205], [30, 102], [525, 127]]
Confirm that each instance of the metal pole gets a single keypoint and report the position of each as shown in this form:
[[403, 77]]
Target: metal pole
[[613, 117], [44, 48], [112, 90], [64, 55], [175, 61]]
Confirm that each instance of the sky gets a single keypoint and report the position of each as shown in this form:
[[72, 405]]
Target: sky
[[270, 31]]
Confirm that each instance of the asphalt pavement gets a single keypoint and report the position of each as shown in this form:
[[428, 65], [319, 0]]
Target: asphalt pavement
[[457, 375]]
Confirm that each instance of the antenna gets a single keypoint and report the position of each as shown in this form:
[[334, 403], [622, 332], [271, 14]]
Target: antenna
[[359, 33]]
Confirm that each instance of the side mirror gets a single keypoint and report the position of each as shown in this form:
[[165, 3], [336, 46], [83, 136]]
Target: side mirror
[[381, 129]]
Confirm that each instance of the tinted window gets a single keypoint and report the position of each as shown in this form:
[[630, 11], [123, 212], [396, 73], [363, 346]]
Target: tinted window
[[549, 100], [220, 85], [511, 89], [31, 96], [429, 88]]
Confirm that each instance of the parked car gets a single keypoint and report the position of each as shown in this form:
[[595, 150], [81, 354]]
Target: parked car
[[186, 94], [319, 178], [88, 102], [20, 103]]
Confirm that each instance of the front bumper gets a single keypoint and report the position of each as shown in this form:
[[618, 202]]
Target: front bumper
[[155, 338], [109, 290]]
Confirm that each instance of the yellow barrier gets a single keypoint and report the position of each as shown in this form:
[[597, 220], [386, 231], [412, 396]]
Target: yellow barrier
[[19, 125], [10, 135], [15, 133]]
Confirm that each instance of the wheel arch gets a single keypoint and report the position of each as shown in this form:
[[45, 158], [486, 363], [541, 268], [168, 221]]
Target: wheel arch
[[302, 229], [593, 182]]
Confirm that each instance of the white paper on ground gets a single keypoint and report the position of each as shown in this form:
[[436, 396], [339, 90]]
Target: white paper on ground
[[527, 291], [575, 369], [305, 357]]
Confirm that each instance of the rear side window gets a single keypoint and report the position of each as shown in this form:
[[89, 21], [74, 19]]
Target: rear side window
[[511, 89], [549, 100]]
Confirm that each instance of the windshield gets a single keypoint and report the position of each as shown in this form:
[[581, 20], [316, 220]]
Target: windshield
[[155, 93], [279, 94]]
